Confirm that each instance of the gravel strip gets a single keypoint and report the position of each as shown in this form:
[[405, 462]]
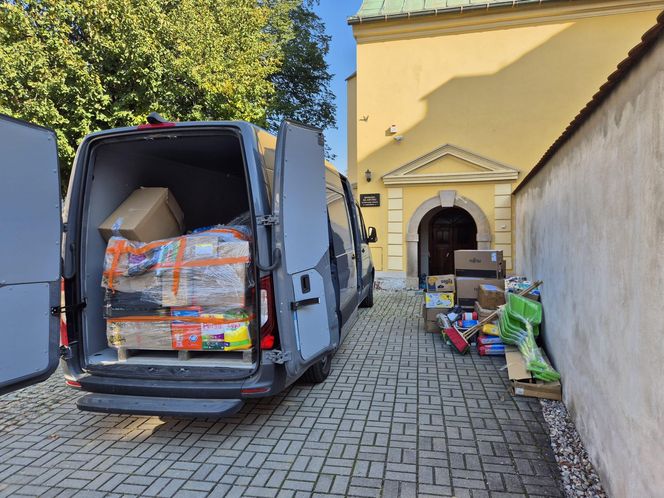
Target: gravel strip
[[578, 473]]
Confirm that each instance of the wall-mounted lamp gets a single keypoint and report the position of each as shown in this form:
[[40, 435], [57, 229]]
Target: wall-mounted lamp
[[368, 175]]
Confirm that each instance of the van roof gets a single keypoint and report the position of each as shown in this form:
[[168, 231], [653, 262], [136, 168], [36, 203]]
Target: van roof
[[242, 125]]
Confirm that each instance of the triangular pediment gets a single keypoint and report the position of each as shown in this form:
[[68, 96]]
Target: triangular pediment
[[450, 164]]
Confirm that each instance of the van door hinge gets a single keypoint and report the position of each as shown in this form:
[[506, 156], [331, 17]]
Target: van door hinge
[[58, 310], [268, 219], [276, 356]]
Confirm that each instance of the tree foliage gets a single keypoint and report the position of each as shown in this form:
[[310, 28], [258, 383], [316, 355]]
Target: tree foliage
[[83, 65], [302, 85]]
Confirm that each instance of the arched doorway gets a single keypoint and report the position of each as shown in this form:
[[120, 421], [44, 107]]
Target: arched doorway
[[417, 240], [445, 231]]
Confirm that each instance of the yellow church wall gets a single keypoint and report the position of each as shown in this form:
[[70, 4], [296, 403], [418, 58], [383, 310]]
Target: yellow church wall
[[503, 93]]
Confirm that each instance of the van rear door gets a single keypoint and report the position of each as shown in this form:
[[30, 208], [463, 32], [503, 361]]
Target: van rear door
[[31, 224], [305, 298]]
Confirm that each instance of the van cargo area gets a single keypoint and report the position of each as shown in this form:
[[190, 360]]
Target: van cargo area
[[205, 171]]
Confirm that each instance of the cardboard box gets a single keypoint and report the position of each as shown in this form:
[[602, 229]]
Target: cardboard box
[[490, 296], [439, 300], [148, 214], [479, 263], [440, 283], [429, 315], [522, 382], [468, 289]]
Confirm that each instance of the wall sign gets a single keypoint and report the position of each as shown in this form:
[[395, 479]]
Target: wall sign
[[369, 200]]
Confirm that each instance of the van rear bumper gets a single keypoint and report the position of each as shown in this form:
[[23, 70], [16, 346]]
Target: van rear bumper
[[149, 405], [268, 380]]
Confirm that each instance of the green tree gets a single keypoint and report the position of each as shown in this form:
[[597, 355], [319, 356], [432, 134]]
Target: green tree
[[83, 65], [302, 84]]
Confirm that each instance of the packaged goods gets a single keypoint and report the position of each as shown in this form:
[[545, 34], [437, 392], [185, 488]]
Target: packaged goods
[[439, 300], [205, 269], [516, 284], [490, 329], [147, 214], [440, 283], [184, 293], [483, 340], [491, 350], [189, 329]]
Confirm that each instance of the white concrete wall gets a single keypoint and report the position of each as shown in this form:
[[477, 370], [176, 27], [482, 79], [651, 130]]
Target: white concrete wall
[[591, 225]]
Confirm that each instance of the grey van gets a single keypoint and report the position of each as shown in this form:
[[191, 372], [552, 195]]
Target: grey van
[[310, 260]]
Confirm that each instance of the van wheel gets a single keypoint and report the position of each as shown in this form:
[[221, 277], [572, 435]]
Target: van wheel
[[318, 372], [368, 301]]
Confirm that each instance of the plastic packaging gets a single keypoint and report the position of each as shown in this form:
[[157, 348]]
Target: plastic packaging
[[207, 268], [187, 329], [186, 293]]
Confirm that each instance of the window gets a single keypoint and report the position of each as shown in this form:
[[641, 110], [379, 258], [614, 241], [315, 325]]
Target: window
[[342, 239], [363, 228]]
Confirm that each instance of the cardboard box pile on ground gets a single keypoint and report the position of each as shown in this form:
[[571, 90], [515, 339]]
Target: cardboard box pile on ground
[[473, 268], [187, 292], [438, 298], [147, 214]]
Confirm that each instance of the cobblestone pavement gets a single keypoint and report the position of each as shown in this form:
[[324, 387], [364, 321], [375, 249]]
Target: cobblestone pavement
[[400, 415]]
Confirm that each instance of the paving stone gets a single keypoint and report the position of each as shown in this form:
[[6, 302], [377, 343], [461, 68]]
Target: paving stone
[[400, 415]]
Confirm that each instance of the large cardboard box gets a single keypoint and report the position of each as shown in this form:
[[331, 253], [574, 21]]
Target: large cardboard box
[[522, 382], [468, 289], [479, 263], [148, 214], [490, 297], [440, 300], [440, 283]]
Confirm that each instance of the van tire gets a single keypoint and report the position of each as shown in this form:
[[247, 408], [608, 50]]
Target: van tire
[[318, 372], [369, 300]]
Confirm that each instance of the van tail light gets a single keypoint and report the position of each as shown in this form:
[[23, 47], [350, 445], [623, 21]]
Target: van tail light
[[268, 318], [73, 383]]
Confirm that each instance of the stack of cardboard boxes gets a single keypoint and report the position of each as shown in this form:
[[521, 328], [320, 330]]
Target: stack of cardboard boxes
[[474, 268], [169, 291], [438, 298]]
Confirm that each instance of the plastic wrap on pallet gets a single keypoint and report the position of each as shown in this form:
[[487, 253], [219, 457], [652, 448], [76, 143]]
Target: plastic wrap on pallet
[[184, 328], [205, 268]]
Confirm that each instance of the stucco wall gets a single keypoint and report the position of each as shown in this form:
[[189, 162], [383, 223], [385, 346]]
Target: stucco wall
[[591, 225]]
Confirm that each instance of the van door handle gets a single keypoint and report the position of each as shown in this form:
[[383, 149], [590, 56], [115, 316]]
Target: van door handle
[[304, 302]]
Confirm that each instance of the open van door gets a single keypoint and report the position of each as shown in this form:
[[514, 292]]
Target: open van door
[[304, 293], [31, 227]]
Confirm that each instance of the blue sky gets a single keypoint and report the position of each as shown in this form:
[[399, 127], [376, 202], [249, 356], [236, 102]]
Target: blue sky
[[342, 64]]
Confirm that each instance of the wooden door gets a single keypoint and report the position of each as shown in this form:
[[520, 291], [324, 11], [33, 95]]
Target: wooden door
[[450, 230]]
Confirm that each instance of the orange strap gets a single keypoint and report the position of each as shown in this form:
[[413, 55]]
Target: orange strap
[[114, 264], [122, 246], [178, 266], [189, 319], [187, 264]]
